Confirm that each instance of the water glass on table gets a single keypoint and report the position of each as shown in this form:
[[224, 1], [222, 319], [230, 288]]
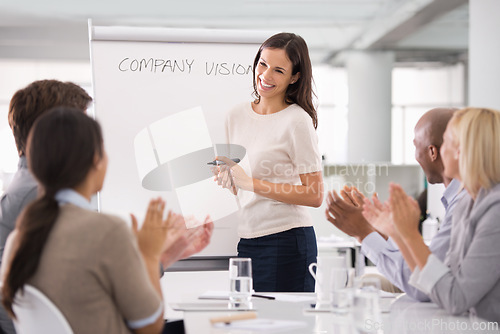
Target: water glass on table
[[240, 278], [366, 305], [341, 296]]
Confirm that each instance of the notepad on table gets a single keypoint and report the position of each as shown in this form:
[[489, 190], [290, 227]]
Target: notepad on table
[[208, 307], [262, 324]]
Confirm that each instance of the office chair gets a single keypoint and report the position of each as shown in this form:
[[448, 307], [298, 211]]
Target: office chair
[[36, 314]]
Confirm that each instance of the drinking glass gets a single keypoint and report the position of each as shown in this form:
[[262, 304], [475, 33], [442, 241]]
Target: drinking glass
[[341, 297], [240, 278], [366, 306]]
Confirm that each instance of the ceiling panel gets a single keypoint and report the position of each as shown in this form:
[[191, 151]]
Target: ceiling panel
[[58, 28]]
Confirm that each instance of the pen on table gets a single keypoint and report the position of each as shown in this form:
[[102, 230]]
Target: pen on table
[[234, 317], [265, 297], [218, 162]]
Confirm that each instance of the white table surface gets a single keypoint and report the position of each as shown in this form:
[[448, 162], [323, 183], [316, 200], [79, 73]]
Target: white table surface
[[405, 316]]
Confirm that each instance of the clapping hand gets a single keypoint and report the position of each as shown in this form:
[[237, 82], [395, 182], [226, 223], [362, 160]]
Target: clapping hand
[[168, 240], [153, 233], [353, 195], [405, 211], [200, 238], [379, 216], [182, 242], [346, 213]]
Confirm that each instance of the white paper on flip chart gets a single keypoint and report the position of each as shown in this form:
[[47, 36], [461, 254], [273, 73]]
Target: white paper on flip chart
[[172, 154], [171, 137], [180, 134], [204, 197], [144, 153]]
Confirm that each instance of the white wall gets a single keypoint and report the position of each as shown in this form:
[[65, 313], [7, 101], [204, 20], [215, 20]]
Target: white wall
[[484, 54]]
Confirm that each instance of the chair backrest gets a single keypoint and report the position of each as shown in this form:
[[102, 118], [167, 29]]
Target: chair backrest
[[37, 314]]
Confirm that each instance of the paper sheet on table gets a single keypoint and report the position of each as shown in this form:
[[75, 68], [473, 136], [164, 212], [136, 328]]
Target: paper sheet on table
[[295, 298], [208, 307], [262, 324], [385, 294], [222, 295]]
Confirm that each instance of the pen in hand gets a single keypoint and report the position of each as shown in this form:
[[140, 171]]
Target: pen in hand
[[218, 162]]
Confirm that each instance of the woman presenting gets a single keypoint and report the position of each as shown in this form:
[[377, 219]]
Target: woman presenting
[[278, 132]]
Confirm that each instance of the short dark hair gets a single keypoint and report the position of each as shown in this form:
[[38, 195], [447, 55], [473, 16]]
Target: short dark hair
[[29, 103]]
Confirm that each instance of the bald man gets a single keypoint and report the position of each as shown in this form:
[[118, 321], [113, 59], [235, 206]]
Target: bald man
[[345, 211]]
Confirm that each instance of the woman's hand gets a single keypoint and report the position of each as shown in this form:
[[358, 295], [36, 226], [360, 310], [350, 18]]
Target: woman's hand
[[200, 238], [405, 211], [232, 176], [308, 193], [182, 242], [153, 233]]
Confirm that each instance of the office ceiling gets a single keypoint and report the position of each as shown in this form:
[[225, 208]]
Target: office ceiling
[[419, 30]]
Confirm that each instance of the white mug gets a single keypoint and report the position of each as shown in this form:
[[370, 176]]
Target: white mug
[[327, 279]]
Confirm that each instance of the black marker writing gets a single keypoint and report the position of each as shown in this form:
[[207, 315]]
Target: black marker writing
[[156, 65], [226, 69]]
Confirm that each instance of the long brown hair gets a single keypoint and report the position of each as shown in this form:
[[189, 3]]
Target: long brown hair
[[61, 150], [300, 92]]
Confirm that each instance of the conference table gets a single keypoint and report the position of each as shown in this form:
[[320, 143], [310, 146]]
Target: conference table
[[293, 314]]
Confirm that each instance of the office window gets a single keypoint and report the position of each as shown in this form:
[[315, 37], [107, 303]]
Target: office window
[[17, 74], [415, 91]]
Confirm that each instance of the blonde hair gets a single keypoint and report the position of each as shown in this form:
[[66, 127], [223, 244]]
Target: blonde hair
[[477, 131]]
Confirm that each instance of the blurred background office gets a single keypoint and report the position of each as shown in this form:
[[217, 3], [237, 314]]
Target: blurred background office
[[378, 66]]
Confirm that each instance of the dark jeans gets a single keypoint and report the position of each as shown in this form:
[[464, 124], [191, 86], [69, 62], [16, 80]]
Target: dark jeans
[[280, 261], [173, 327]]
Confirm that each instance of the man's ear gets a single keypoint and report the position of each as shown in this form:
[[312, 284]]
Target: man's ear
[[433, 152]]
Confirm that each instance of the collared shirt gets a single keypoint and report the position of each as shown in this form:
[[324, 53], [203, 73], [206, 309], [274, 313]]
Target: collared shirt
[[21, 191], [65, 196], [389, 260], [469, 278]]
